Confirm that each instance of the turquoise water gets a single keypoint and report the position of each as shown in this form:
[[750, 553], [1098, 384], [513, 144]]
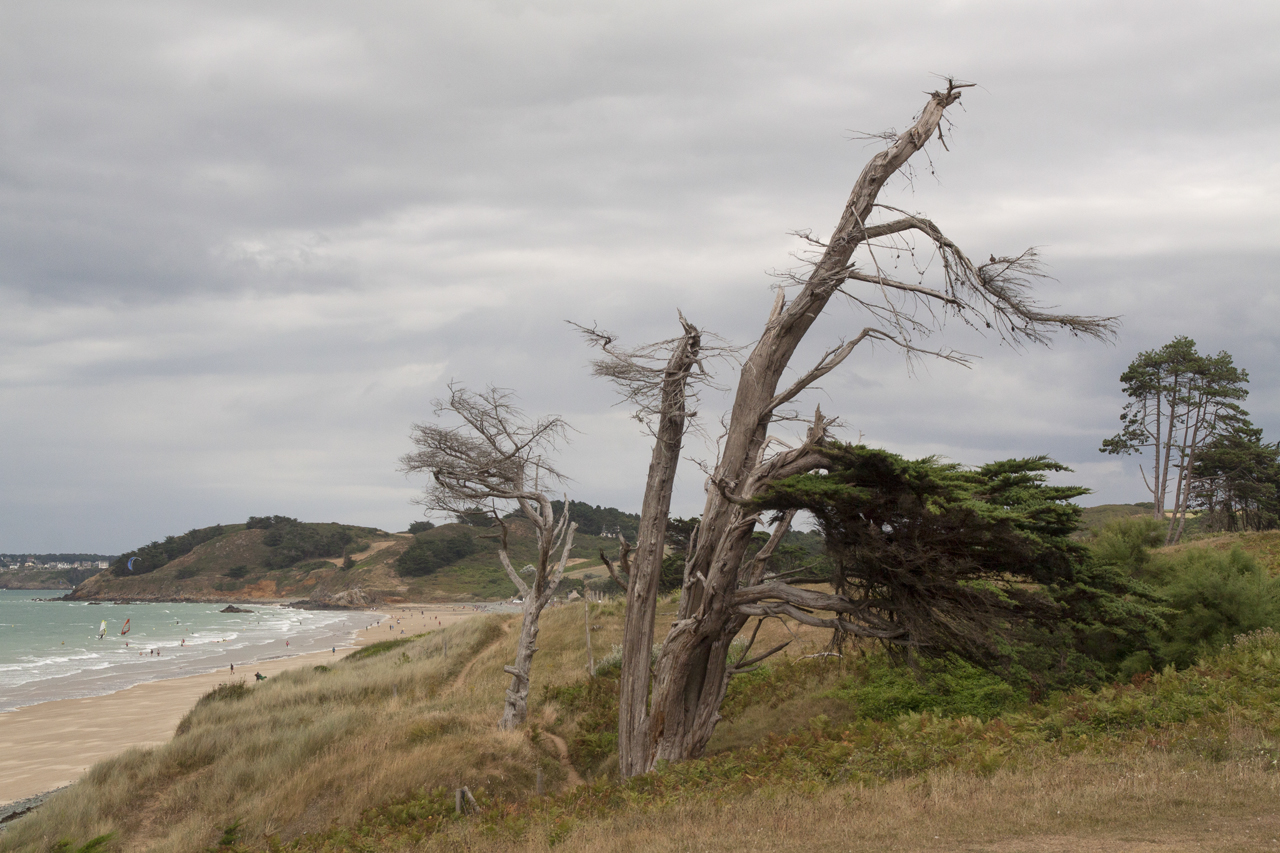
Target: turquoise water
[[50, 649]]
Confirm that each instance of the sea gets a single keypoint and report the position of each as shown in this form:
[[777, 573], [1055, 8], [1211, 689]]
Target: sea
[[51, 650]]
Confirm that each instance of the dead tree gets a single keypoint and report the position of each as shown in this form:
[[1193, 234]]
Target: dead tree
[[660, 393], [496, 458], [723, 589]]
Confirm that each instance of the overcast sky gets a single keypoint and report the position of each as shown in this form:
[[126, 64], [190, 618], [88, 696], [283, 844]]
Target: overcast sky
[[244, 245]]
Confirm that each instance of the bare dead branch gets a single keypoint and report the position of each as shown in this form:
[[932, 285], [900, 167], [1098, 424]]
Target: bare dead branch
[[775, 538], [748, 665], [622, 573], [884, 281]]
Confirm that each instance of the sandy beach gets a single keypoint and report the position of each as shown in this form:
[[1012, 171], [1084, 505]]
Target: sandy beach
[[49, 745]]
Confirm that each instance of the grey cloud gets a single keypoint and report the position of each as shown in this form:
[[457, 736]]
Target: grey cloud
[[242, 247]]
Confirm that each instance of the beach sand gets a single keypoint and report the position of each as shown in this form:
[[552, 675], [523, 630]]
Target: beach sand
[[49, 745]]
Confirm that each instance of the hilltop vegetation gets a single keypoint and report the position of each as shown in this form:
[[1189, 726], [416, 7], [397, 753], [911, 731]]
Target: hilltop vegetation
[[272, 557]]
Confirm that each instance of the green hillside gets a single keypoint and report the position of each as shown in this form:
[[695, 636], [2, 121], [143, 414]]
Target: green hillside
[[281, 558], [1094, 518]]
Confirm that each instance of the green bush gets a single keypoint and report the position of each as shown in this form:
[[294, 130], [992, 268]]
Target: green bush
[[1215, 597], [427, 555], [1126, 542], [948, 688], [381, 647], [292, 542], [238, 572]]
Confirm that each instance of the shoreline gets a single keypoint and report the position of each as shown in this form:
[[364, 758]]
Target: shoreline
[[49, 745]]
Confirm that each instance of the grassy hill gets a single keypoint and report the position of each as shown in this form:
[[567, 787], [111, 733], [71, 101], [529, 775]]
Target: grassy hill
[[1094, 518], [815, 753], [1263, 546], [235, 562]]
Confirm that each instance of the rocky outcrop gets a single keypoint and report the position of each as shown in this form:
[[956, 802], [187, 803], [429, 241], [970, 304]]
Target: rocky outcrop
[[231, 608], [354, 598]]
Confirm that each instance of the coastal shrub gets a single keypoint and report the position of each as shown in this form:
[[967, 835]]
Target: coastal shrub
[[427, 555], [186, 572], [593, 703], [1215, 597], [1207, 596], [420, 526], [227, 692], [238, 572], [266, 522], [156, 554], [1126, 543], [475, 517], [291, 542], [381, 647], [949, 687], [93, 845]]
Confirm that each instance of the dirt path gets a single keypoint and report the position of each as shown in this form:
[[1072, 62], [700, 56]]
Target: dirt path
[[466, 670], [371, 550], [563, 748]]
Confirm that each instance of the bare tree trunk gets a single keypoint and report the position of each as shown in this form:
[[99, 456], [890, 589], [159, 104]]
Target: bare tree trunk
[[516, 708], [645, 571], [1168, 449], [1157, 502], [1194, 423], [692, 671]]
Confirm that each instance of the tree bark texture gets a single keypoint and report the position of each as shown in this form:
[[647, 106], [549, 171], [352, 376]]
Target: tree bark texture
[[536, 597], [645, 569]]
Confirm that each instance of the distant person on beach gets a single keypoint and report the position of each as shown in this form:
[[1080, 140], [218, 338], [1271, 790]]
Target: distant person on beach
[[259, 676], [233, 667]]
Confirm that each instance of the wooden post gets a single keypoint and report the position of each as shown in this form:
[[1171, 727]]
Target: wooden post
[[586, 614], [541, 781]]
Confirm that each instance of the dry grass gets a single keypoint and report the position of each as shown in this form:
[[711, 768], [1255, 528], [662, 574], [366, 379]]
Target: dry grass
[[308, 756], [1149, 803], [307, 749]]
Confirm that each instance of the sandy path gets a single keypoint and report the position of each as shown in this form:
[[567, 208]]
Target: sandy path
[[368, 552], [45, 746], [574, 779], [466, 670]]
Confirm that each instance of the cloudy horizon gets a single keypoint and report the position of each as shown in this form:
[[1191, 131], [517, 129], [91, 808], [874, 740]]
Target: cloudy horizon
[[242, 248]]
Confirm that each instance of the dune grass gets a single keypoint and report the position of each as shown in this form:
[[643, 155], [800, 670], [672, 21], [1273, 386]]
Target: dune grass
[[814, 753], [304, 749]]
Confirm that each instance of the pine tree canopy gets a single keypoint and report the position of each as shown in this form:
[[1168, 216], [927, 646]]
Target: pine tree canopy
[[973, 562]]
